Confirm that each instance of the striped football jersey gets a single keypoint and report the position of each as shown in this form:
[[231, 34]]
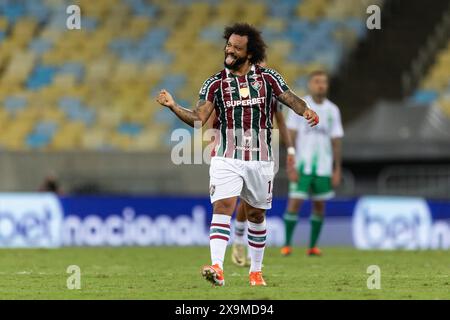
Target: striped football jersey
[[244, 107]]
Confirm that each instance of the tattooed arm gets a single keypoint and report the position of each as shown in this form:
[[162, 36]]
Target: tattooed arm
[[299, 106], [200, 113]]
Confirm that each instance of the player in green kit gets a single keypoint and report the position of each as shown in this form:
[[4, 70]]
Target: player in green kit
[[318, 159]]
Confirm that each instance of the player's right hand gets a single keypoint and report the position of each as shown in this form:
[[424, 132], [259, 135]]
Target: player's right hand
[[165, 99], [311, 117]]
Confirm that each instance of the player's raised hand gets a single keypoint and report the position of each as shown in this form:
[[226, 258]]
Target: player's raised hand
[[311, 117], [165, 98]]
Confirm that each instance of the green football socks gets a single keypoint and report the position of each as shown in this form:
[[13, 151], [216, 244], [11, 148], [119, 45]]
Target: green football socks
[[290, 220], [316, 225]]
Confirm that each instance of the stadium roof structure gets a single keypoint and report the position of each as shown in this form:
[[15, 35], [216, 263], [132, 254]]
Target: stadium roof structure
[[398, 131]]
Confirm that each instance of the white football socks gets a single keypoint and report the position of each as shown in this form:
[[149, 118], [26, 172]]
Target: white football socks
[[256, 234], [219, 234], [239, 231]]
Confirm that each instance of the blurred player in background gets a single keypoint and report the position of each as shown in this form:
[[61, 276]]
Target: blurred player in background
[[318, 161], [242, 161]]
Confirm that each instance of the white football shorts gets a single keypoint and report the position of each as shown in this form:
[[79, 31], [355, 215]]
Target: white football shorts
[[251, 180]]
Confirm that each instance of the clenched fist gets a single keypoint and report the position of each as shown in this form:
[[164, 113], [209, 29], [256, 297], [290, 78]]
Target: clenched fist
[[311, 117], [165, 99]]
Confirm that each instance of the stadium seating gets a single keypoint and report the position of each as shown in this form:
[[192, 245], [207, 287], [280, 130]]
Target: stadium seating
[[435, 85], [94, 88]]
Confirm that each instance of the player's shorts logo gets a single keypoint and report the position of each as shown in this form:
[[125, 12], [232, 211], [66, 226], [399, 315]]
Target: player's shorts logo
[[212, 190]]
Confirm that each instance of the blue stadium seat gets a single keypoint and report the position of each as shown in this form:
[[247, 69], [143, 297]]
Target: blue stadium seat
[[424, 96], [74, 68], [37, 10], [88, 23], [41, 135], [76, 111], [13, 104], [40, 46], [42, 75], [13, 10], [131, 129]]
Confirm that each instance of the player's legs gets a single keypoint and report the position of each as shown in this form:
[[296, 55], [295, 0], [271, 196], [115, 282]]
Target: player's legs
[[321, 191], [225, 186], [219, 233], [240, 223], [298, 192], [238, 252], [290, 221], [316, 220], [256, 234], [257, 194]]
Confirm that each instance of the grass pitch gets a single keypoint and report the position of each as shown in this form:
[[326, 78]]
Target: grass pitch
[[174, 273]]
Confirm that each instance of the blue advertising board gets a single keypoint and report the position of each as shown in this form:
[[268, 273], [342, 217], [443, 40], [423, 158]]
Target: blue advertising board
[[370, 222]]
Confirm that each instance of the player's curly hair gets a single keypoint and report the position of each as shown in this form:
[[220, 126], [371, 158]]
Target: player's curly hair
[[256, 46]]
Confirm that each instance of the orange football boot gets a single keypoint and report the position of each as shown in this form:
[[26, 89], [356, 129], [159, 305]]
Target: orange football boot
[[286, 251], [256, 279], [314, 252], [213, 274]]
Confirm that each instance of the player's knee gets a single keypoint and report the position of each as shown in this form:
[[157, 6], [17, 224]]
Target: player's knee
[[319, 207], [256, 215], [294, 205], [240, 213], [225, 206]]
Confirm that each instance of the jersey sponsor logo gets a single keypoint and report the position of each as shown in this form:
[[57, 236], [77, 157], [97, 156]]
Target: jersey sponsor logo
[[207, 84], [246, 102], [246, 141], [277, 76]]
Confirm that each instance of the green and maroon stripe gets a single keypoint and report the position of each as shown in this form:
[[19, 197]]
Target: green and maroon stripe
[[256, 238], [219, 231]]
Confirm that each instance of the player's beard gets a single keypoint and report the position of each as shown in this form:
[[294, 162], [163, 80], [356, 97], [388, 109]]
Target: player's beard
[[236, 64], [321, 95]]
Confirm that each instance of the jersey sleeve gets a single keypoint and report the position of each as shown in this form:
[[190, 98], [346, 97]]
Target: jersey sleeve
[[276, 81], [209, 88], [337, 130]]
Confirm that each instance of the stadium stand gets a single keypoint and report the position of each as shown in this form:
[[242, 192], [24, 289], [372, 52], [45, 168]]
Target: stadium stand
[[94, 88], [435, 86]]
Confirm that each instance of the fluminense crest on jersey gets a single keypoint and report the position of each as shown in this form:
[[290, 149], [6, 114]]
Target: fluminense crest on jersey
[[256, 84]]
